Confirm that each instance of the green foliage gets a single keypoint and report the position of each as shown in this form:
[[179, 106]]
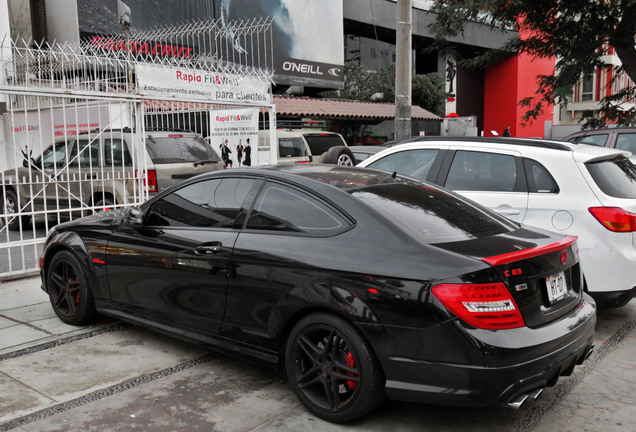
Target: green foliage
[[360, 84], [574, 31]]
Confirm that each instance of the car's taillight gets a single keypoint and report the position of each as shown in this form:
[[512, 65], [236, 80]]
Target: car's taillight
[[150, 181], [615, 218], [485, 306], [303, 161]]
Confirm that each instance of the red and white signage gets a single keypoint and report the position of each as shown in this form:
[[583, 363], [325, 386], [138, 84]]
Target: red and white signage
[[211, 87]]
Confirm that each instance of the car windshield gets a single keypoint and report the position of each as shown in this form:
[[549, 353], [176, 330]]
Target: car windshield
[[616, 177], [436, 215], [179, 149], [320, 143]]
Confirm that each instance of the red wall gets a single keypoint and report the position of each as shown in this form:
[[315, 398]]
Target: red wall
[[506, 83]]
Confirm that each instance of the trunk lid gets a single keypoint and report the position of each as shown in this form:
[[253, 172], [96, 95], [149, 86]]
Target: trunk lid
[[541, 273]]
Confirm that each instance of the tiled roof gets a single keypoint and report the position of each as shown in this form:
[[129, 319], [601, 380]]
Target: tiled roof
[[343, 109]]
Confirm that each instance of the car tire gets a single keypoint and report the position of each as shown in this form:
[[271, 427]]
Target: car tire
[[103, 202], [11, 205], [339, 155], [68, 289], [332, 369]]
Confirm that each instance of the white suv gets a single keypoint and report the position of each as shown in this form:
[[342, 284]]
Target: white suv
[[568, 188], [96, 170]]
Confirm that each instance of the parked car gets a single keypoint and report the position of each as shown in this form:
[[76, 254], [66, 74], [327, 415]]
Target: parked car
[[567, 188], [361, 153], [618, 138], [306, 145], [96, 170], [359, 284]]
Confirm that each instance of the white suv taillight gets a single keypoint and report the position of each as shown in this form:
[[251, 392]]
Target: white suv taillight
[[485, 306], [615, 218]]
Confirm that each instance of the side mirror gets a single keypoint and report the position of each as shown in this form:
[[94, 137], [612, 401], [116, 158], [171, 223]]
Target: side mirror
[[30, 163], [134, 216]]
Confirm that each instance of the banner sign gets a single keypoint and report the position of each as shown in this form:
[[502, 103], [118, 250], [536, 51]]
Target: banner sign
[[211, 87], [234, 135]]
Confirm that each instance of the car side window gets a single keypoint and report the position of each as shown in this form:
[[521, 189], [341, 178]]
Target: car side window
[[85, 154], [626, 141], [116, 152], [411, 163], [214, 203], [481, 171], [282, 208], [539, 178], [596, 139]]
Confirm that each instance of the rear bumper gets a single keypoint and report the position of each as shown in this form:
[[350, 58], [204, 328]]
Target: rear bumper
[[610, 299], [450, 364]]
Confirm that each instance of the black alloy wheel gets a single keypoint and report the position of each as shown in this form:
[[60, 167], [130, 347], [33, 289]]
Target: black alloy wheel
[[332, 369], [68, 290]]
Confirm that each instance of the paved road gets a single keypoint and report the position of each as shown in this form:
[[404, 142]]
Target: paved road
[[116, 377]]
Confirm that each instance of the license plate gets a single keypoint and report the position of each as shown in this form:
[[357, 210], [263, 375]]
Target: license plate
[[556, 286]]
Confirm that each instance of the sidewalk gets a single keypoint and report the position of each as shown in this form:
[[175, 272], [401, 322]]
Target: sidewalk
[[115, 377]]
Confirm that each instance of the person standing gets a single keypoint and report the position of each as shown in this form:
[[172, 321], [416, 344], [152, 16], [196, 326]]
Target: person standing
[[239, 152], [506, 132], [248, 153]]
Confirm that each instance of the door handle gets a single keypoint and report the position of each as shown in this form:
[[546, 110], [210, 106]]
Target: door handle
[[208, 249], [508, 211]]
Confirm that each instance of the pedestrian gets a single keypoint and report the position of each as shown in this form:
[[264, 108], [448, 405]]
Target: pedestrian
[[239, 152], [248, 153], [506, 132], [225, 155]]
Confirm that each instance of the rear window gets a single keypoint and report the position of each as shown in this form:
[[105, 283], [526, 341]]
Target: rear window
[[434, 214], [319, 144], [597, 140], [291, 147], [616, 177], [179, 149]]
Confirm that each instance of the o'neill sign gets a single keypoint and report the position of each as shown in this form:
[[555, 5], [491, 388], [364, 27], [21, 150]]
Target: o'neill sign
[[160, 82]]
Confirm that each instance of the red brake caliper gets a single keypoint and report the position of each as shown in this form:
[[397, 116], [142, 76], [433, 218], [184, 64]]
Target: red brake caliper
[[351, 363], [77, 296]]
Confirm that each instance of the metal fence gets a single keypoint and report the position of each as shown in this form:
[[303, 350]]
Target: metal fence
[[75, 127]]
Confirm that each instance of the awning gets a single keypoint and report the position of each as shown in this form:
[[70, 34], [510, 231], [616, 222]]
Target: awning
[[343, 109]]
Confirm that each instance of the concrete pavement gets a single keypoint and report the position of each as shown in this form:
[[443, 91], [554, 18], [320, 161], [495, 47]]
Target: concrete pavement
[[117, 377]]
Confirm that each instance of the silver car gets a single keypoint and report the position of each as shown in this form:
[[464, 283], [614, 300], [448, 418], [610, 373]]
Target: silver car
[[96, 170]]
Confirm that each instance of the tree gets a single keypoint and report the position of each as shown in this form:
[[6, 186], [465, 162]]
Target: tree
[[576, 32], [427, 90]]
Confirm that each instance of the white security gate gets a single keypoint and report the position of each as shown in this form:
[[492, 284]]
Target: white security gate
[[75, 126]]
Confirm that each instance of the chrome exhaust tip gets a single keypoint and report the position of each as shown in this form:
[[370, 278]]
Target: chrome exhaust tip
[[522, 399], [518, 403], [535, 395]]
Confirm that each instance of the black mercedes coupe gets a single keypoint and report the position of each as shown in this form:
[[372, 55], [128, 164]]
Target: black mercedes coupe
[[359, 284]]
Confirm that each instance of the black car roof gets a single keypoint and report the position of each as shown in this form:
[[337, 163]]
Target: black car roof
[[342, 177]]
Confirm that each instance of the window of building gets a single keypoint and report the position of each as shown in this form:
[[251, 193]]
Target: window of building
[[587, 88]]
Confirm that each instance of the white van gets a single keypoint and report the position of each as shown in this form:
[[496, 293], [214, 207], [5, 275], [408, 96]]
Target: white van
[[304, 146]]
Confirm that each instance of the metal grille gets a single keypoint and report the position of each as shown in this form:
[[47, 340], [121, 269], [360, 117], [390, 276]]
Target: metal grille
[[76, 130]]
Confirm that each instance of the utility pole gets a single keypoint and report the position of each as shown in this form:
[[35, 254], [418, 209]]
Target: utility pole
[[125, 19], [403, 69]]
